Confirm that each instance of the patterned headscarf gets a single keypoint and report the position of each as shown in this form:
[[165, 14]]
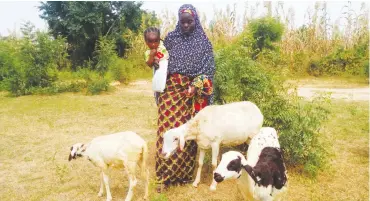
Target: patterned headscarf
[[190, 55]]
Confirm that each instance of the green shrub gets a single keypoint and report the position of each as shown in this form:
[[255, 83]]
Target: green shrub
[[30, 62], [105, 55], [122, 70], [95, 82], [341, 61], [61, 86], [96, 86], [365, 65], [262, 33]]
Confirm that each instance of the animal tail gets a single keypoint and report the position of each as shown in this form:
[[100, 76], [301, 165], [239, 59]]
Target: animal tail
[[144, 160]]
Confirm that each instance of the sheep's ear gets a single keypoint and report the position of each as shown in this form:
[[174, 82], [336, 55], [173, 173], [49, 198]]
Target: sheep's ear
[[69, 157], [251, 172], [182, 142], [83, 148]]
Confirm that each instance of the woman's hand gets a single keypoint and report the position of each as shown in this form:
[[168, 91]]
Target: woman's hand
[[191, 91]]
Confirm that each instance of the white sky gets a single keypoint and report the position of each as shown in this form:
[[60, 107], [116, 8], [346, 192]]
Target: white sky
[[14, 13]]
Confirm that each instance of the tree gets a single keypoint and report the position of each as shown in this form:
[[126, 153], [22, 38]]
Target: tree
[[262, 33], [83, 22]]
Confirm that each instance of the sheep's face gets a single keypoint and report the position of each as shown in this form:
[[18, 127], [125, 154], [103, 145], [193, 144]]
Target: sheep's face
[[172, 139], [76, 150], [230, 166]]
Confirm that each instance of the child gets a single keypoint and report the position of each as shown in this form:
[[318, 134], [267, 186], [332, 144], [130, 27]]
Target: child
[[156, 57]]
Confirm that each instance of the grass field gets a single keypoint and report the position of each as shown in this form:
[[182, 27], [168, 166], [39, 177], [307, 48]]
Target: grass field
[[37, 131]]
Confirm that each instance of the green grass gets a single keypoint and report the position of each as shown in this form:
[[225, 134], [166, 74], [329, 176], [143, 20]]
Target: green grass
[[37, 131]]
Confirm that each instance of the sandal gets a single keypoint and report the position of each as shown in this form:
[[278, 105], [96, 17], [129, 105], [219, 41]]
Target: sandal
[[161, 188]]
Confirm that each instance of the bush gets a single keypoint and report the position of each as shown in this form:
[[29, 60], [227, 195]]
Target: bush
[[341, 61], [122, 70], [239, 78], [30, 62], [95, 82], [105, 55], [97, 85], [60, 87], [262, 33], [365, 65]]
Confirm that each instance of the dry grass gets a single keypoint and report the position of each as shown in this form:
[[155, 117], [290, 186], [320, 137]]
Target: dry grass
[[37, 131]]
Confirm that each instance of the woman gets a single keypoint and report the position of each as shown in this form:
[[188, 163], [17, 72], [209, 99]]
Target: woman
[[188, 90]]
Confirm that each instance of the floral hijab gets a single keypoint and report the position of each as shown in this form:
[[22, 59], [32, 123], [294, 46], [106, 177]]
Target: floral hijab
[[190, 55]]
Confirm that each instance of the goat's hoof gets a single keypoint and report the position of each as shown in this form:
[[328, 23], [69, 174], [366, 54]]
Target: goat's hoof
[[109, 199], [100, 194], [212, 188], [195, 184]]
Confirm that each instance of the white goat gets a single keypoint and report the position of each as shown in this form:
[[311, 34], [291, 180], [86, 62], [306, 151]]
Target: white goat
[[264, 165], [119, 150], [230, 124]]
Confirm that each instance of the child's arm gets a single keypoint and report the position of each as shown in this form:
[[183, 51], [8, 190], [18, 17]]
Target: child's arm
[[151, 59]]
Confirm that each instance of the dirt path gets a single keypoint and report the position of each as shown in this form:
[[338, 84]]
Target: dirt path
[[352, 94], [306, 91]]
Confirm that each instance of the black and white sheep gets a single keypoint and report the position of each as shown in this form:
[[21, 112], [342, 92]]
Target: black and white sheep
[[229, 124], [118, 150], [264, 165]]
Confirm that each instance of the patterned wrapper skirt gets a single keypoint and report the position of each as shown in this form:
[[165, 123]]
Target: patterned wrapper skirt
[[175, 109]]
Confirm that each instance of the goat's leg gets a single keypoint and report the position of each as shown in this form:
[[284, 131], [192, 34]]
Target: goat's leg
[[130, 170], [146, 185], [101, 191], [200, 165], [215, 151], [106, 183]]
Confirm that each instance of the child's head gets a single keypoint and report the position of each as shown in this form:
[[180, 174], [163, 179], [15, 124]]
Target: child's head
[[152, 37]]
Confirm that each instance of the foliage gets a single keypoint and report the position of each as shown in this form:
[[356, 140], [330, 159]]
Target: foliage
[[95, 82], [60, 87], [104, 55], [96, 86], [262, 32], [321, 49], [122, 70], [30, 62], [340, 61], [82, 23]]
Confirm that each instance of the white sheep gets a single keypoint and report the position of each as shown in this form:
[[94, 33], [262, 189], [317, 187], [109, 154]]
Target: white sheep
[[264, 165], [118, 150], [229, 124]]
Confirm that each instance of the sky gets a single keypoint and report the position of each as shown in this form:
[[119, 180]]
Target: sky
[[14, 13]]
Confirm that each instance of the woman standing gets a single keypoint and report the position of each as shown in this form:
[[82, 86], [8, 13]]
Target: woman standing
[[188, 90]]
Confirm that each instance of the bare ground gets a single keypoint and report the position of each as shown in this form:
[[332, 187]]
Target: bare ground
[[353, 94]]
